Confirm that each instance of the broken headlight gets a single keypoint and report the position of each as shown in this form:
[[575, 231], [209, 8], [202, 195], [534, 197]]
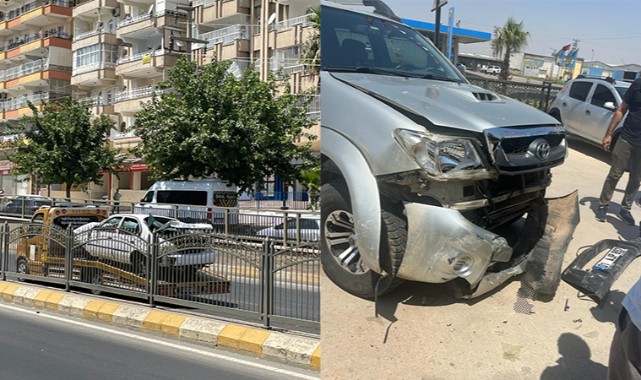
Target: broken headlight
[[443, 157]]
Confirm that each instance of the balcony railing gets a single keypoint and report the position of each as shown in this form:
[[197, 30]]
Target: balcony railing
[[140, 56], [290, 23], [29, 68], [225, 35], [17, 12], [137, 93], [35, 37], [128, 20], [22, 101], [93, 67], [314, 108], [100, 100]]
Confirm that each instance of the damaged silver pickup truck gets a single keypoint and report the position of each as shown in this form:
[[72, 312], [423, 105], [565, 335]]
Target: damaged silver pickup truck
[[421, 170]]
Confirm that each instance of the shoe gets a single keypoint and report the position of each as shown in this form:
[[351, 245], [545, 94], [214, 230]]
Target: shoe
[[626, 217], [601, 213]]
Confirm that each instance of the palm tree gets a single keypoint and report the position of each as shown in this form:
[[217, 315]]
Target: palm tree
[[311, 50], [511, 38]]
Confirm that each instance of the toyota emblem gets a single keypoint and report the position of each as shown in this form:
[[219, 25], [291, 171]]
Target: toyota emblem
[[541, 149]]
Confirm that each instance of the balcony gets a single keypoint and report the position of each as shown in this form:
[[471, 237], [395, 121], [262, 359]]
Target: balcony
[[93, 37], [124, 140], [222, 11], [14, 109], [140, 26], [99, 105], [33, 75], [129, 102], [144, 65], [35, 46], [95, 74], [90, 6], [293, 32], [36, 14]]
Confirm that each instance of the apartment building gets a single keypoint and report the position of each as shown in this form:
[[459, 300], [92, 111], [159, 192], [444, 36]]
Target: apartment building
[[113, 53], [35, 65]]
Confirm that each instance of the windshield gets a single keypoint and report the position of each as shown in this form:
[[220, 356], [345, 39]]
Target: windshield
[[363, 43]]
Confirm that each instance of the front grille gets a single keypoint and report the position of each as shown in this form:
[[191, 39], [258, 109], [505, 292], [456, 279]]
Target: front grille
[[514, 150]]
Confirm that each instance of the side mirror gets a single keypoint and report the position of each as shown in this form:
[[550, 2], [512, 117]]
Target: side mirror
[[610, 106]]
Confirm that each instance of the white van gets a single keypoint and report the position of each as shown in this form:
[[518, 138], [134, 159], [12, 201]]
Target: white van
[[203, 200]]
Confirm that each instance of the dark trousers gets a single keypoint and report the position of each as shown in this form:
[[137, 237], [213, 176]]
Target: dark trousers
[[625, 352], [624, 155]]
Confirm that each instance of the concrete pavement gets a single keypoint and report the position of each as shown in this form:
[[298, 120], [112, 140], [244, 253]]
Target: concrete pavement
[[272, 345]]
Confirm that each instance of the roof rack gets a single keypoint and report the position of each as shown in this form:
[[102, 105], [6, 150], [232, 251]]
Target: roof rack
[[607, 79]]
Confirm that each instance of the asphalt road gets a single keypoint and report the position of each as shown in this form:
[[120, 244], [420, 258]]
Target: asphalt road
[[422, 332], [38, 345]]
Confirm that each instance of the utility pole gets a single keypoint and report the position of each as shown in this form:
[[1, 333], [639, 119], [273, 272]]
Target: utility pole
[[438, 4]]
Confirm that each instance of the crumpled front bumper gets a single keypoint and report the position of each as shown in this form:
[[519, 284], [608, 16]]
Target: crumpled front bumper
[[443, 245]]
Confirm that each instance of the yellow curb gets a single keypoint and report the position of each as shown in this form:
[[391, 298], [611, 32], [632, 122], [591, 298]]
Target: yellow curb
[[246, 272], [252, 340], [3, 285], [100, 310], [106, 312], [53, 300], [230, 335], [171, 324], [7, 292], [42, 299], [161, 321], [316, 358]]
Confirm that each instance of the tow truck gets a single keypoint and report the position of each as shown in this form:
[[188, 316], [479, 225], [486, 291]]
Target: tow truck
[[42, 251]]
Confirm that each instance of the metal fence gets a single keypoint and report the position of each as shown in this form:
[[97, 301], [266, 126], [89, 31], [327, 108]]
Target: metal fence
[[536, 95], [262, 280]]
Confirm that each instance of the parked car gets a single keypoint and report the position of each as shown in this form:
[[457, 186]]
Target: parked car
[[585, 106], [492, 70], [25, 204], [309, 229], [124, 239]]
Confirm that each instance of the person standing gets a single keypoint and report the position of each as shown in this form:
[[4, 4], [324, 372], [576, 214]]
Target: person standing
[[626, 154], [117, 201]]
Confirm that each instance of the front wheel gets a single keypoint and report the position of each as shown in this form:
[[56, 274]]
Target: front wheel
[[22, 267], [340, 256]]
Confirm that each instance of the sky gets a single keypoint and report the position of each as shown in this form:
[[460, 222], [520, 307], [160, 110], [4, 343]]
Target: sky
[[608, 30]]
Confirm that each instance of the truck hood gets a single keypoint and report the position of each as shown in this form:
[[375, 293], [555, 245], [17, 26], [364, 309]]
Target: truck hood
[[448, 104]]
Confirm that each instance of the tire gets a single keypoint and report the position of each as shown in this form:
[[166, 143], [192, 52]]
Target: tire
[[22, 266], [139, 264], [92, 276], [340, 258]]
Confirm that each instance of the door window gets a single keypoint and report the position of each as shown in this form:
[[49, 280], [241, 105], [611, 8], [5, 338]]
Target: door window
[[580, 90], [602, 95]]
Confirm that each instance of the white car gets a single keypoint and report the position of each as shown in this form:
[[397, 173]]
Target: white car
[[125, 238], [309, 229], [493, 70]]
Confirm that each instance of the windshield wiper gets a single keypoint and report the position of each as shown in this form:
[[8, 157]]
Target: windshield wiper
[[366, 70]]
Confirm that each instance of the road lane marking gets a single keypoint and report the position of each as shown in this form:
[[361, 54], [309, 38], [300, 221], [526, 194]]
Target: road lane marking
[[163, 343]]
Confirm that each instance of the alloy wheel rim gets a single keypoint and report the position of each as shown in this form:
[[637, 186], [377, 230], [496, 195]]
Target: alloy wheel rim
[[341, 239]]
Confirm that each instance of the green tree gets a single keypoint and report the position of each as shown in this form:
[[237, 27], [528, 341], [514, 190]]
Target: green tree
[[206, 122], [311, 180], [62, 144], [310, 55], [511, 38]]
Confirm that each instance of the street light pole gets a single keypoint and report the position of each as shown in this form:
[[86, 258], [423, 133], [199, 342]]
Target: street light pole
[[438, 4]]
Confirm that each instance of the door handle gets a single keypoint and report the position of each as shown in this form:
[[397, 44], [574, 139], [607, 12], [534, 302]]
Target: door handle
[[587, 112], [564, 104]]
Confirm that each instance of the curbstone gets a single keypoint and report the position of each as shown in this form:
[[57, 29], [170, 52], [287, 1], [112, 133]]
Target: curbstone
[[130, 316], [73, 304], [201, 330], [252, 341], [276, 346], [300, 351], [167, 323], [23, 294], [211, 333]]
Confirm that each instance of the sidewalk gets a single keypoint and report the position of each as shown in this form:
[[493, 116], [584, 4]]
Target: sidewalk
[[271, 345]]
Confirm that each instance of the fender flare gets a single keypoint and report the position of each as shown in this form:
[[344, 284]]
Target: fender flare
[[364, 194]]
